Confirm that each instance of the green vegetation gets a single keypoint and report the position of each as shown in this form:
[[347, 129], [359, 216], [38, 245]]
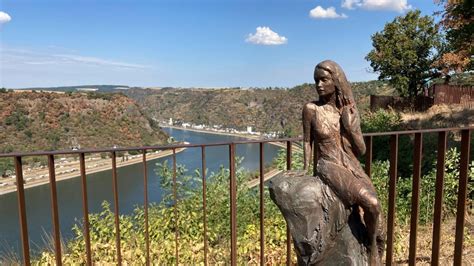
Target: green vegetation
[[428, 189], [190, 217], [189, 226], [412, 49], [404, 52]]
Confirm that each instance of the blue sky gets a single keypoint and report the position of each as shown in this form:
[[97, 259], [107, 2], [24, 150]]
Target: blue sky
[[192, 43]]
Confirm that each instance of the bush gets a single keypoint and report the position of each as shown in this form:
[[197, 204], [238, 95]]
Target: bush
[[19, 119], [381, 121], [162, 225], [189, 225]]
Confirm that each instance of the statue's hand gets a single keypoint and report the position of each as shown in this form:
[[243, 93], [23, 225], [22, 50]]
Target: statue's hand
[[348, 116]]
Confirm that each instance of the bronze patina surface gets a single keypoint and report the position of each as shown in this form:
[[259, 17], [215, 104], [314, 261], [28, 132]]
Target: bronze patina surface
[[332, 140]]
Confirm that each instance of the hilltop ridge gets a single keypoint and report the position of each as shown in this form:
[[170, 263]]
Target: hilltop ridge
[[265, 110], [50, 121]]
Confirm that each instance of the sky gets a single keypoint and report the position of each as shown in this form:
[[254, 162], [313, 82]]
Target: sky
[[188, 43]]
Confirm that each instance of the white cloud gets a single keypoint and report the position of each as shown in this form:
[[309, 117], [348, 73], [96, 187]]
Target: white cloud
[[94, 61], [394, 5], [321, 13], [265, 36], [350, 4], [27, 57], [4, 17]]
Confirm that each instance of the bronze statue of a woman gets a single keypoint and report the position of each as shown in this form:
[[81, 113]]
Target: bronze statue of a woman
[[332, 123]]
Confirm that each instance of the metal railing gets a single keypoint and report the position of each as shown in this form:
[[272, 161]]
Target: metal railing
[[394, 137]]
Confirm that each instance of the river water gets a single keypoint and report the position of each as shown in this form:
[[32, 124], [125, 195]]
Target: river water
[[99, 185]]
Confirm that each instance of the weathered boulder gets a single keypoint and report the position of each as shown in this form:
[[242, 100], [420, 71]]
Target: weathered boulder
[[324, 231]]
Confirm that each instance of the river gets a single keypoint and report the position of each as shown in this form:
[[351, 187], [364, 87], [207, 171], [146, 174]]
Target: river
[[99, 185]]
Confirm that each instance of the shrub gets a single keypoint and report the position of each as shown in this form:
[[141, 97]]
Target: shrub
[[381, 121], [189, 225]]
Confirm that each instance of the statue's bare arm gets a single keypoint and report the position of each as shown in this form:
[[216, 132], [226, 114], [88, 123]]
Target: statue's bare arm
[[351, 123], [308, 113]]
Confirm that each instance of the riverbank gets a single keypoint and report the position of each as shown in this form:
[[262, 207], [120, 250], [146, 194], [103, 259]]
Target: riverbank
[[70, 169], [248, 136]]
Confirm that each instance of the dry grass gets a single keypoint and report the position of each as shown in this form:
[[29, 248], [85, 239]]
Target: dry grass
[[440, 116], [424, 242]]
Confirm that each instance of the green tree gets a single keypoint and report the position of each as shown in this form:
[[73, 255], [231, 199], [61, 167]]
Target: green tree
[[458, 25], [404, 52]]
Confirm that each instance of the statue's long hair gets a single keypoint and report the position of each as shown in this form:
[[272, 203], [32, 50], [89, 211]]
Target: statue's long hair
[[344, 94], [344, 97]]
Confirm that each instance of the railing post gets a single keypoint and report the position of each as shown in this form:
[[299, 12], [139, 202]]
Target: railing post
[[145, 207], [288, 235], [438, 204], [175, 198], [116, 208], [462, 195], [391, 197], [54, 209], [22, 210], [233, 206], [415, 198], [368, 155], [85, 208], [262, 209], [204, 199]]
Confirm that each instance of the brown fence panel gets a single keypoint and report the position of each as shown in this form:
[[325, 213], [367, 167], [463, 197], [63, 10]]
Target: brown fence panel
[[452, 94]]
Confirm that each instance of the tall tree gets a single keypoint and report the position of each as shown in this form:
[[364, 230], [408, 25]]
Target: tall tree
[[404, 52], [458, 24]]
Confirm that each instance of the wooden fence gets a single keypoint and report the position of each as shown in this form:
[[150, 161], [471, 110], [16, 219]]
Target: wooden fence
[[436, 94]]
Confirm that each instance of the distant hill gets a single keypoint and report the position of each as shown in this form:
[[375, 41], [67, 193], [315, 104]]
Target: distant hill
[[31, 121], [266, 110], [97, 88]]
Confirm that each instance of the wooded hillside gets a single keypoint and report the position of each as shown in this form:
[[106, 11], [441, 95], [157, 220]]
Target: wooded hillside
[[32, 121], [266, 110]]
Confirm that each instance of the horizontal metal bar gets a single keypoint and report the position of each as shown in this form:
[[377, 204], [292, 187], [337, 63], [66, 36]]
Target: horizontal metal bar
[[177, 146], [408, 132], [140, 148]]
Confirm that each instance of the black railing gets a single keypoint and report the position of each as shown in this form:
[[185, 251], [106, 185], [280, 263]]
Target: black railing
[[394, 136]]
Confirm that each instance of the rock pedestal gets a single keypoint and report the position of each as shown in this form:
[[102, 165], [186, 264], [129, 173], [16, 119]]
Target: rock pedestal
[[324, 231]]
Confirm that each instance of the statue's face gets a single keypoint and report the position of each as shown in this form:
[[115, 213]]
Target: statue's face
[[324, 83]]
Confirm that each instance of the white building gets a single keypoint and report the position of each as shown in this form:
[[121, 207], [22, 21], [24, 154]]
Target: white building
[[87, 89]]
